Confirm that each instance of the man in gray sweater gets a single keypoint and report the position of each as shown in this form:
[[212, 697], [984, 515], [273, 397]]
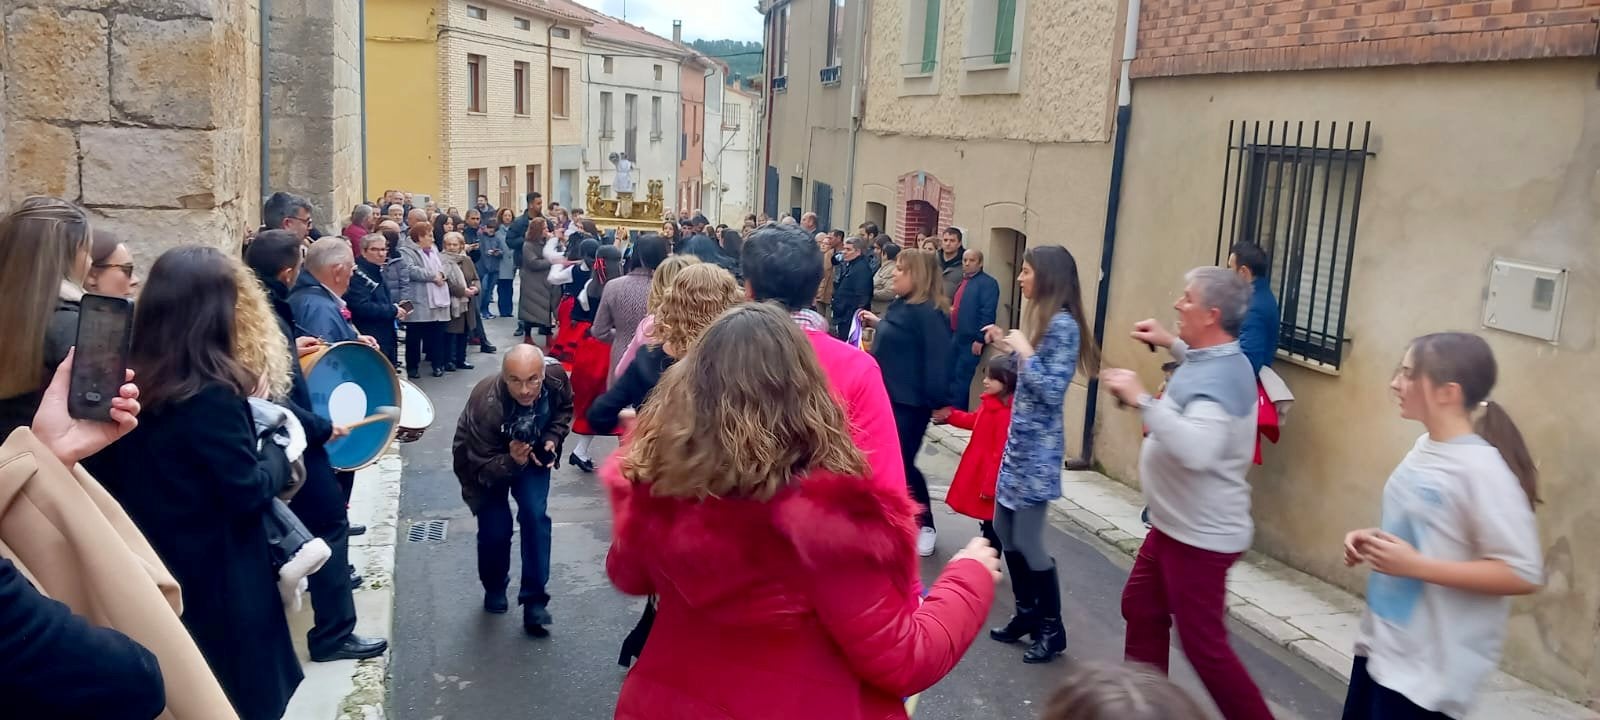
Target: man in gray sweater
[[1193, 469]]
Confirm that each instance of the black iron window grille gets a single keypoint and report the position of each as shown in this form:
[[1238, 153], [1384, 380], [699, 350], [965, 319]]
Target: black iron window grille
[[1294, 188]]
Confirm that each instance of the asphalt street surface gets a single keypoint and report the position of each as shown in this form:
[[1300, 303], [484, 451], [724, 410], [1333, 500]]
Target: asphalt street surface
[[452, 660]]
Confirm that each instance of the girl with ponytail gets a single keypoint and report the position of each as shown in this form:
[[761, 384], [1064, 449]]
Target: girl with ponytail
[[1458, 538], [591, 357]]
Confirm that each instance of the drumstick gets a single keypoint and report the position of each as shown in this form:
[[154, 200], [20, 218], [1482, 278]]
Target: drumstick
[[384, 412]]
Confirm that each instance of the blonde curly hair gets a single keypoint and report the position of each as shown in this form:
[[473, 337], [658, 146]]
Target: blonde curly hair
[[662, 279], [258, 342], [698, 294]]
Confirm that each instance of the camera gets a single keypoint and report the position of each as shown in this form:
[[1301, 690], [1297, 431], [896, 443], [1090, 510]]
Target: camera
[[526, 427]]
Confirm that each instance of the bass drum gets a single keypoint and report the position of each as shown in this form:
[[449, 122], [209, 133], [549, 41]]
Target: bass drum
[[416, 412], [350, 381]]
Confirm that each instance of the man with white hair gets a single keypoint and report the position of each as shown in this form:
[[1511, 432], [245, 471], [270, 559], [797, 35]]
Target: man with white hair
[[317, 297], [808, 222], [1193, 467]]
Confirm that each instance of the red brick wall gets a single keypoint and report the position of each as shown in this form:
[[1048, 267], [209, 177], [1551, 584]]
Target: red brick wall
[[927, 188], [1198, 37]]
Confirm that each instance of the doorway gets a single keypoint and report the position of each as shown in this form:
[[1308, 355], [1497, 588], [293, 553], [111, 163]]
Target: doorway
[[922, 218], [878, 214], [1006, 247], [508, 187]]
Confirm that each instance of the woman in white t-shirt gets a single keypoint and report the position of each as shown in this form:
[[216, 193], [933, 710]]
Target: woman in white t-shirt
[[1458, 538]]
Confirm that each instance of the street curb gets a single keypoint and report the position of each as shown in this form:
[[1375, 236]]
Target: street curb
[[1300, 613]]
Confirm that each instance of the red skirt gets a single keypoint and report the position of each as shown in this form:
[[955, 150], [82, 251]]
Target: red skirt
[[565, 344], [588, 370]]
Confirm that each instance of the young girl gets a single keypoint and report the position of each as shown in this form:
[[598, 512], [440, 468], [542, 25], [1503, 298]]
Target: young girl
[[1118, 691], [972, 491], [1047, 354], [591, 356], [1457, 539]]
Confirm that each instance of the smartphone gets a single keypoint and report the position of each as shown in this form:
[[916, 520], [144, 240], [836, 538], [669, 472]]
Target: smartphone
[[100, 362], [407, 305]]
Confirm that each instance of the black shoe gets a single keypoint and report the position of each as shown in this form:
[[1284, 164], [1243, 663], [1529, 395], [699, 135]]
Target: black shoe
[[1050, 639], [495, 602], [580, 463], [357, 530], [534, 621], [438, 372], [450, 367], [1026, 620], [355, 647], [414, 374], [355, 580], [520, 331], [487, 349], [464, 365]]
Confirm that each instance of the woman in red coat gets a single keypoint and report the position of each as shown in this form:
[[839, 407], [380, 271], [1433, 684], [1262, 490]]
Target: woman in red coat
[[786, 582], [972, 491]]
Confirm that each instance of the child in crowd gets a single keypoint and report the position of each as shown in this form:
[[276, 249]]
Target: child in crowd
[[972, 491], [1118, 691]]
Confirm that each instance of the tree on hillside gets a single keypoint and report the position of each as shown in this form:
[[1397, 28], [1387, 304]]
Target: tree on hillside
[[743, 58]]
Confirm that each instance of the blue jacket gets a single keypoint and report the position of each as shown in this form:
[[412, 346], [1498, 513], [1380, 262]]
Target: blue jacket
[[1258, 337], [316, 310], [978, 304]]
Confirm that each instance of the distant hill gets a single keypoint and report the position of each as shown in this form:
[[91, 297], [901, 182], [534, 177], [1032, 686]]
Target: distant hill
[[743, 58]]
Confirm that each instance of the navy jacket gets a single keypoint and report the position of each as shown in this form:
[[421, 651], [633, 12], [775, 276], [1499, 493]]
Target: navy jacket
[[911, 346], [317, 311], [320, 502], [978, 304], [1258, 337]]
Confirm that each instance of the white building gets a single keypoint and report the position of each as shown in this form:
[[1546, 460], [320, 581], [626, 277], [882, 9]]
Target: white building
[[716, 76], [736, 158]]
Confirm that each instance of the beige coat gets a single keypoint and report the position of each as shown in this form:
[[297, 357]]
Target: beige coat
[[68, 536]]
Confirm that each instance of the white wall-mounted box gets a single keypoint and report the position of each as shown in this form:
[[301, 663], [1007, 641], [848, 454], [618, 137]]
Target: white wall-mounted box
[[1525, 298]]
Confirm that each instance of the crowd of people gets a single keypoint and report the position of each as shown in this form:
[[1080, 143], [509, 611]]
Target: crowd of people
[[771, 386]]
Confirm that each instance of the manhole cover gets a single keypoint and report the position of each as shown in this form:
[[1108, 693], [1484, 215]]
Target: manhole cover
[[427, 531]]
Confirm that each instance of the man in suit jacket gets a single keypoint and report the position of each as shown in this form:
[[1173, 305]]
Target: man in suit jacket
[[973, 304]]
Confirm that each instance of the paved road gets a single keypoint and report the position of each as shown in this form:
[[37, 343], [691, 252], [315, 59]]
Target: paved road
[[451, 660]]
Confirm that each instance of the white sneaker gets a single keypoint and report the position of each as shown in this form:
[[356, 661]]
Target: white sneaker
[[925, 541]]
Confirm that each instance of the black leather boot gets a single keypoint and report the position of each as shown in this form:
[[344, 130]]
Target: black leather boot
[[1050, 639], [1026, 619]]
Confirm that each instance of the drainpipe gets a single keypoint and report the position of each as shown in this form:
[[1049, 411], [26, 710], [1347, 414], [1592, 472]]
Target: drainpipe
[[549, 124], [361, 37], [857, 114], [767, 101], [1108, 244], [266, 104]]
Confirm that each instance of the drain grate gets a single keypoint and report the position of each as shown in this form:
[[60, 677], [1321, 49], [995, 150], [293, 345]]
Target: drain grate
[[428, 531]]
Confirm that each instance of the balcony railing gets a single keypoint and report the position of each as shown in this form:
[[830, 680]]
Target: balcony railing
[[830, 75]]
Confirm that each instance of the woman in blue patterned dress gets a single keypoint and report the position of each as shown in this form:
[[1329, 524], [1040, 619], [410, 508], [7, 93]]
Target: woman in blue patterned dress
[[1048, 350]]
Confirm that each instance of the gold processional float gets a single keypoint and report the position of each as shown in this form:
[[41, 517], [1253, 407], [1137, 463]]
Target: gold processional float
[[623, 215]]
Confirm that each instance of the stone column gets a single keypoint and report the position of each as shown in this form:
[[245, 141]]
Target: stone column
[[144, 111], [315, 111]]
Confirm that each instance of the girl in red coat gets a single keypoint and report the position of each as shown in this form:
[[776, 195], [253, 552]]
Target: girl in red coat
[[786, 582], [972, 491]]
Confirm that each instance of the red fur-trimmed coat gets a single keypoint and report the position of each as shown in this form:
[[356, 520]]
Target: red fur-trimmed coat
[[802, 607]]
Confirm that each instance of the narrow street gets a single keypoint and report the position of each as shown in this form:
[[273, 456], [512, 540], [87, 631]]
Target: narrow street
[[452, 660]]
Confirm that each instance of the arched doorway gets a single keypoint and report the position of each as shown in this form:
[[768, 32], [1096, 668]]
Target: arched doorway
[[878, 214], [1006, 247], [921, 218]]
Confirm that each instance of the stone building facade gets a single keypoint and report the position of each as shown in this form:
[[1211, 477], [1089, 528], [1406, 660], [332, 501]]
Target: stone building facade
[[315, 125]]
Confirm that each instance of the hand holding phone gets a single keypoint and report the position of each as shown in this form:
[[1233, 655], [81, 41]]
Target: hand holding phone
[[72, 440], [105, 327]]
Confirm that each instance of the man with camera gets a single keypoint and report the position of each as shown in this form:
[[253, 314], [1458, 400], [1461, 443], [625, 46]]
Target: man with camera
[[507, 441]]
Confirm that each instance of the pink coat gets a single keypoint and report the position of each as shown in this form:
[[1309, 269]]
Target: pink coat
[[858, 386]]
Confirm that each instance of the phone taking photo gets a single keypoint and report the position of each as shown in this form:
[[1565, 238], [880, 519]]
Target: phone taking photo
[[100, 360]]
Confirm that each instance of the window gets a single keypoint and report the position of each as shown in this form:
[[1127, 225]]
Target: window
[[606, 133], [477, 13], [519, 76], [655, 119], [928, 47], [474, 185], [559, 79], [630, 126], [731, 113], [535, 178], [783, 42], [522, 23], [606, 64], [658, 73], [1300, 203], [560, 32], [1005, 20], [835, 33], [476, 82]]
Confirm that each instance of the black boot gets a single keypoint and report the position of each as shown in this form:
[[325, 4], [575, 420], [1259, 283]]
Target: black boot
[[1026, 620], [1051, 638]]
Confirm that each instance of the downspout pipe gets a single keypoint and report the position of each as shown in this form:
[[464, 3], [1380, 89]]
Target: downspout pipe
[[549, 123], [767, 102], [264, 13], [858, 89], [1108, 243], [361, 37]]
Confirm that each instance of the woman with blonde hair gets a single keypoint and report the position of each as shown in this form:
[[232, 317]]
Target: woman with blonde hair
[[44, 259], [911, 343], [659, 283], [787, 582]]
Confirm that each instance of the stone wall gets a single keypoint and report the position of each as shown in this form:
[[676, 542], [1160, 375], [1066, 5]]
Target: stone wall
[[315, 120], [144, 111]]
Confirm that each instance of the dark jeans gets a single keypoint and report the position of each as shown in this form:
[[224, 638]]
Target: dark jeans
[[487, 282], [910, 423], [347, 483], [429, 338], [503, 289], [333, 608], [963, 366], [532, 490], [458, 347], [1367, 700]]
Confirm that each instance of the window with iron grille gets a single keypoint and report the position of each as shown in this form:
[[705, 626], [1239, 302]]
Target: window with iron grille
[[822, 204], [1295, 190]]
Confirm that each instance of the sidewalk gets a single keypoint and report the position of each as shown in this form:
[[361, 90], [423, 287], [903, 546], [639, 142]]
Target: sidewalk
[[1307, 616], [350, 689]]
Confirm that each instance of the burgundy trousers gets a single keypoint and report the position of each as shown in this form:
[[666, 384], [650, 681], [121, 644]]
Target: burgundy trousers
[[1176, 583]]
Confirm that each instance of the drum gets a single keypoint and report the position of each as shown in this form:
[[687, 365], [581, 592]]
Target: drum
[[348, 382], [416, 412]]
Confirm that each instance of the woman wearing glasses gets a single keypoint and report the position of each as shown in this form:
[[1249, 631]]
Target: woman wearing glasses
[[111, 270]]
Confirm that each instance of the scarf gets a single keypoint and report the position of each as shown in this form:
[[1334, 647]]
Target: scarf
[[809, 320], [438, 295]]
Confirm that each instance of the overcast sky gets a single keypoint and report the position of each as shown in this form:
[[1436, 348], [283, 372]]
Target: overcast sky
[[702, 19]]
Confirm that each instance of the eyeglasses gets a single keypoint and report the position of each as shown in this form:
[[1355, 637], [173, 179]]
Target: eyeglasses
[[127, 268]]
